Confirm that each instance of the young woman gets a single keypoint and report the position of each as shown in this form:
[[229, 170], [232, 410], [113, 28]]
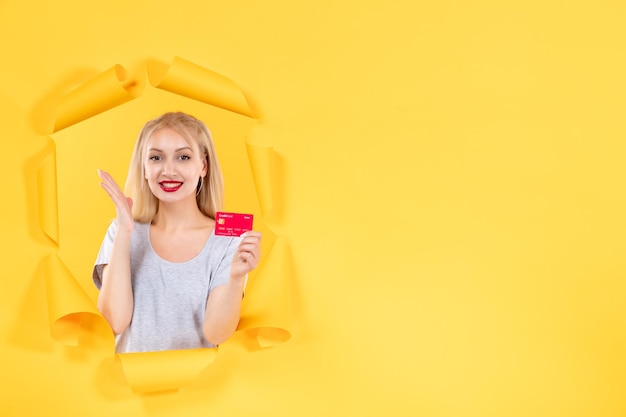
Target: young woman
[[166, 280]]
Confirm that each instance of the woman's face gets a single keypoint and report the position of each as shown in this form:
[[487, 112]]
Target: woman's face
[[173, 166]]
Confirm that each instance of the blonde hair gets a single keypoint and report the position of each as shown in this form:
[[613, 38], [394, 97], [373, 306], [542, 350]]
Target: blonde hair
[[211, 195]]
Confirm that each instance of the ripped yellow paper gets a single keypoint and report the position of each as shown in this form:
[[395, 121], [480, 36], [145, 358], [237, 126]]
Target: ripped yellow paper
[[104, 92], [69, 306], [165, 370], [267, 173], [47, 196], [270, 326], [261, 163], [194, 81]]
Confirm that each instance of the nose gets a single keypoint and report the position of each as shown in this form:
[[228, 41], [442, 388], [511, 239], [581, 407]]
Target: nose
[[168, 168]]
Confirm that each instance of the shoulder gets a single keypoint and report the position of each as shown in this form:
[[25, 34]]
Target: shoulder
[[141, 234], [137, 227]]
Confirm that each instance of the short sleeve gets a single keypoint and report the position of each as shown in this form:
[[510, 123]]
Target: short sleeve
[[222, 272], [104, 254]]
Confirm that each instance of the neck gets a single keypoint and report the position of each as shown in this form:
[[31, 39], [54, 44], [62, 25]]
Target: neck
[[178, 215]]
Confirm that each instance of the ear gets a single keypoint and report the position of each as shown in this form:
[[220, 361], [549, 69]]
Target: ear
[[205, 165]]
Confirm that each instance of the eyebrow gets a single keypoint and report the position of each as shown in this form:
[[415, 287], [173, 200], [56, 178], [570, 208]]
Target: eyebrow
[[177, 150]]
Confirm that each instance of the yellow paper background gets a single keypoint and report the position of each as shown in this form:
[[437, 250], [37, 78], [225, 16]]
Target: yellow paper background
[[451, 182]]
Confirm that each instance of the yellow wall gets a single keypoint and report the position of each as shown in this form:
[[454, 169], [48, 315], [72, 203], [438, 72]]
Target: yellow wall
[[453, 200]]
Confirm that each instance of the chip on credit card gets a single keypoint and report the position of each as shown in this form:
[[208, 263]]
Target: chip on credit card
[[232, 224]]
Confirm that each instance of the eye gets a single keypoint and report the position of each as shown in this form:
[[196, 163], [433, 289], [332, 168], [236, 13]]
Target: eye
[[155, 158], [184, 157]]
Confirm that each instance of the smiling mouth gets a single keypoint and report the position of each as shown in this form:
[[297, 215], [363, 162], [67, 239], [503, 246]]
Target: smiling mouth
[[170, 186]]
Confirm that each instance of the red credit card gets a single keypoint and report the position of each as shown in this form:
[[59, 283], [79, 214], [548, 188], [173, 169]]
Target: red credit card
[[232, 224]]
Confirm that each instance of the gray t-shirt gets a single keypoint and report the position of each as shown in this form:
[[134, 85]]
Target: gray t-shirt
[[169, 297]]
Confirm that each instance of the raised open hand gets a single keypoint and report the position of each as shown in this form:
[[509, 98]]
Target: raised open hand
[[123, 204]]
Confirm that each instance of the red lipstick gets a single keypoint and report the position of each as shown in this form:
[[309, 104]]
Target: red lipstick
[[170, 186]]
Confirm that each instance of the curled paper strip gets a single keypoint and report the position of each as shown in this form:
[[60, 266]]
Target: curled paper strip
[[190, 80], [264, 164], [47, 195], [270, 326], [264, 180], [70, 309], [114, 87], [274, 280], [69, 306], [104, 92], [165, 370]]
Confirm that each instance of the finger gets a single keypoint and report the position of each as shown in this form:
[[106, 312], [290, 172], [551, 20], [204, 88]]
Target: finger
[[107, 178], [253, 240], [252, 233], [111, 188], [109, 182], [249, 247], [252, 248], [250, 240], [120, 200], [116, 195], [249, 259], [112, 184], [248, 256]]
